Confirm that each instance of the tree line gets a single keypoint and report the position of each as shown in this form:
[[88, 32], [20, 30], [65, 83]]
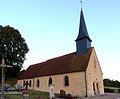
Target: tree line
[[111, 83]]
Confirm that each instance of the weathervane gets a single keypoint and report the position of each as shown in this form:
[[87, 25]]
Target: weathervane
[[81, 3]]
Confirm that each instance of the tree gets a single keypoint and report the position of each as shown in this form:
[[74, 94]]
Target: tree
[[111, 83], [107, 82], [13, 49]]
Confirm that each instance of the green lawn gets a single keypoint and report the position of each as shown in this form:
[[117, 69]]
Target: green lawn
[[113, 88], [33, 95]]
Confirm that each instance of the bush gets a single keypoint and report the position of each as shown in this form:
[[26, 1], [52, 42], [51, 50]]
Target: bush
[[118, 90], [109, 90]]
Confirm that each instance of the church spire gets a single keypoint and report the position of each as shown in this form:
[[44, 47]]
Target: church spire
[[83, 41]]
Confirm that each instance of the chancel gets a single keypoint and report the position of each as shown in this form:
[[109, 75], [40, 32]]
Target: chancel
[[78, 73]]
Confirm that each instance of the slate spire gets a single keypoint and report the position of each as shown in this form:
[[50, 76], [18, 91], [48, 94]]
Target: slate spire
[[83, 41]]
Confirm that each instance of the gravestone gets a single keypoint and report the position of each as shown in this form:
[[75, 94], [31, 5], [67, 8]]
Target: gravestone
[[18, 87], [52, 95], [62, 93]]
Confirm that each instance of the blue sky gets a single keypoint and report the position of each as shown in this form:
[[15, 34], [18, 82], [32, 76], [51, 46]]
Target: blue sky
[[51, 26]]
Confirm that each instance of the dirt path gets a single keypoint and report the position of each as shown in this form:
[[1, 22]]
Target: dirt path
[[106, 96]]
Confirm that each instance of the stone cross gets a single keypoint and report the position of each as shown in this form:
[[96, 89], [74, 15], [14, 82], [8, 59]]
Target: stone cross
[[3, 65]]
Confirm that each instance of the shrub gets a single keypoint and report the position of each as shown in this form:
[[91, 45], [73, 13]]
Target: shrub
[[109, 90], [118, 90]]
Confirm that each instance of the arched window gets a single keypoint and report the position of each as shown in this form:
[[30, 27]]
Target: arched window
[[30, 83], [66, 81], [50, 81], [23, 83], [38, 83], [26, 84]]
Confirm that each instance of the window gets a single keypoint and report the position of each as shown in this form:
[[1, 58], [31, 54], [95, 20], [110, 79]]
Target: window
[[26, 84], [50, 81], [38, 83], [66, 81], [30, 83]]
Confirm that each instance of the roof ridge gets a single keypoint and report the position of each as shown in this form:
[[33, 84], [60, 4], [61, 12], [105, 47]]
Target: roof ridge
[[61, 56], [52, 59]]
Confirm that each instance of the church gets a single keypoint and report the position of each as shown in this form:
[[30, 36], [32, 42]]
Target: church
[[78, 73]]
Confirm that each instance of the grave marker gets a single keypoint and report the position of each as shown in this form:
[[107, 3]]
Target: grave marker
[[52, 95]]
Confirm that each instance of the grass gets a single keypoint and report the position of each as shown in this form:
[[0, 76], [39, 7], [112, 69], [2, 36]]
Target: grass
[[14, 96], [35, 94], [113, 88], [32, 95]]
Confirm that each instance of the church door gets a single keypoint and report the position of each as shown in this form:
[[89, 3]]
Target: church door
[[94, 88], [97, 85]]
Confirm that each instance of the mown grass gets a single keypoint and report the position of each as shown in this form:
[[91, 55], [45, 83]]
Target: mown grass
[[115, 90], [11, 96], [32, 95]]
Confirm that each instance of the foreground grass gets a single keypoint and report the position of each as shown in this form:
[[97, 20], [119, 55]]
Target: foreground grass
[[113, 88], [33, 95], [14, 96]]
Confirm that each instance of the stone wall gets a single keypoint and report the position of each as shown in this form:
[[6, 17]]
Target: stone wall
[[94, 75], [76, 83]]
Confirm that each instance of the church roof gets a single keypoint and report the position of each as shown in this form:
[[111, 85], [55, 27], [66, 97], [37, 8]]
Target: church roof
[[69, 63]]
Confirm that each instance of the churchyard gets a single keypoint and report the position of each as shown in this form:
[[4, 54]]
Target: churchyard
[[44, 95], [18, 92], [32, 95], [12, 90], [15, 92]]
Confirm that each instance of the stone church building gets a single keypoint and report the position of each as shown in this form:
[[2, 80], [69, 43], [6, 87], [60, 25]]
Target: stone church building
[[78, 73]]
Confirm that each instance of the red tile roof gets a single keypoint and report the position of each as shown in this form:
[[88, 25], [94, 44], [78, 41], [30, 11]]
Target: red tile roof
[[64, 64]]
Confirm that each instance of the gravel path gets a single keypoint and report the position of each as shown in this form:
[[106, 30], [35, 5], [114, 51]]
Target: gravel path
[[106, 96]]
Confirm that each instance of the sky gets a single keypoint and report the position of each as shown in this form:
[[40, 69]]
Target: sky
[[50, 28]]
